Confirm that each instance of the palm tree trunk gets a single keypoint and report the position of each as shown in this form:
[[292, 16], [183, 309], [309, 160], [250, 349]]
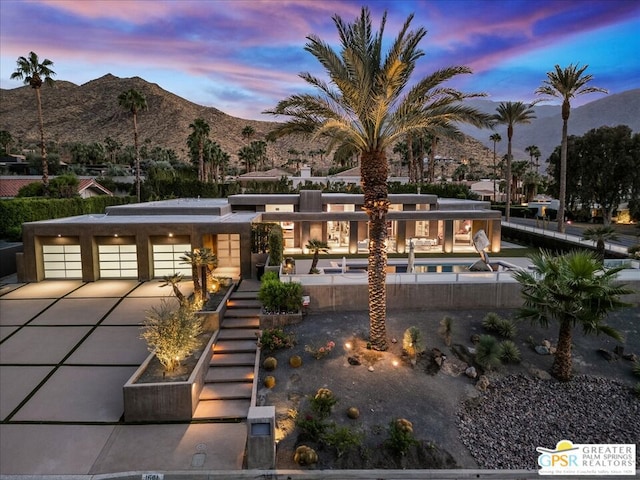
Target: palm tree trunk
[[200, 161], [563, 167], [507, 213], [374, 169], [432, 160], [43, 147], [135, 141], [314, 262], [412, 163], [561, 368], [495, 200]]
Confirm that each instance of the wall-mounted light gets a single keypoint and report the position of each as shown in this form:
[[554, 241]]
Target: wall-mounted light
[[115, 235], [171, 235], [59, 236]]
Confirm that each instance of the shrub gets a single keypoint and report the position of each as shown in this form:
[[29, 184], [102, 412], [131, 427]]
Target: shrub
[[400, 436], [488, 352], [276, 244], [636, 368], [342, 439], [312, 428], [412, 342], [322, 402], [446, 330], [504, 327], [509, 352], [275, 339], [278, 297], [171, 333]]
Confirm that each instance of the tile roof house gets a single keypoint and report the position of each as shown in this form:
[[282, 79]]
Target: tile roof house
[[10, 185]]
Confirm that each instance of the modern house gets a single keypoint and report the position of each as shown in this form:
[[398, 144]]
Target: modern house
[[146, 240]]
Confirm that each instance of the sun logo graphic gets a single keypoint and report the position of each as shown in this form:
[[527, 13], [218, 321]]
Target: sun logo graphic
[[564, 455], [570, 458]]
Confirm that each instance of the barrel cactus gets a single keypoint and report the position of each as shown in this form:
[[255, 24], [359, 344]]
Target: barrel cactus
[[295, 361], [305, 455], [270, 381], [270, 363]]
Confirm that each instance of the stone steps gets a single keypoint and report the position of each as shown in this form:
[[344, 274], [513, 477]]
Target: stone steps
[[226, 394]]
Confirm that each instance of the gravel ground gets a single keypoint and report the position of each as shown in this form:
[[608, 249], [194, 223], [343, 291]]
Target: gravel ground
[[519, 412]]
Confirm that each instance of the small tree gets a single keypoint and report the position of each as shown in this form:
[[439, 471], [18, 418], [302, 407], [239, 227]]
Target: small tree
[[316, 246], [171, 333], [174, 280]]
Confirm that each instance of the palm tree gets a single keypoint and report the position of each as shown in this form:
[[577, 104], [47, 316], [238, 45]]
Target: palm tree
[[495, 138], [600, 235], [317, 247], [368, 104], [198, 138], [134, 101], [510, 114], [572, 289], [566, 84], [248, 132], [534, 152], [34, 73], [200, 260]]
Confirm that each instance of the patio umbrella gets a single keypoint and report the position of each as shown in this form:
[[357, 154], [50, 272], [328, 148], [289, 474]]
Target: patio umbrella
[[412, 257]]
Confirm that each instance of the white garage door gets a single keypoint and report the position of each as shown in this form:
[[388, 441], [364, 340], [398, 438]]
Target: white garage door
[[118, 261], [166, 260], [62, 261]]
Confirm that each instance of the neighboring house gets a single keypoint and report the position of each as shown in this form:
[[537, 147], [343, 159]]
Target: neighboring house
[[10, 185], [146, 240]]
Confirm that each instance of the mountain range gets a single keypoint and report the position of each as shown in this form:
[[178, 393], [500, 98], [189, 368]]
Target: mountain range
[[545, 131], [90, 112]]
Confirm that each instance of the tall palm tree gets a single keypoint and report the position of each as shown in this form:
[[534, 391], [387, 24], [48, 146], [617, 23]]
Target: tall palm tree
[[566, 84], [133, 101], [510, 114], [35, 73], [495, 138], [368, 104], [574, 290], [198, 138], [600, 235], [317, 247], [534, 152]]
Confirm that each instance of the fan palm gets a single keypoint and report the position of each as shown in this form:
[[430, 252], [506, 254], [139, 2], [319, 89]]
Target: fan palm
[[574, 290], [566, 83], [600, 235], [317, 247], [197, 139], [495, 138], [200, 260], [134, 101], [510, 114], [35, 73], [368, 104]]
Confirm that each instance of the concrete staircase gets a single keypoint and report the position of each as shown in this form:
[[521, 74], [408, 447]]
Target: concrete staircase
[[226, 395]]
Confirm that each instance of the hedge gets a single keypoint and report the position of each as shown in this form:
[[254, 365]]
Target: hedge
[[16, 211]]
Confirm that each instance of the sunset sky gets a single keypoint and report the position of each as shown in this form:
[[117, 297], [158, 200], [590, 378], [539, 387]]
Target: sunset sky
[[242, 56]]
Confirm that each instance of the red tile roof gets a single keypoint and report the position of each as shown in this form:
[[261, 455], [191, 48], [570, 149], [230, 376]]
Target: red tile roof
[[11, 185]]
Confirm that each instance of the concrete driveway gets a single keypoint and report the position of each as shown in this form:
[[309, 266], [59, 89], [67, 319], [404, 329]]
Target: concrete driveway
[[66, 350]]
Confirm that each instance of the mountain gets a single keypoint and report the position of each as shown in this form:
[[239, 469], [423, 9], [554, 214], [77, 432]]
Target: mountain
[[546, 130], [90, 112]]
